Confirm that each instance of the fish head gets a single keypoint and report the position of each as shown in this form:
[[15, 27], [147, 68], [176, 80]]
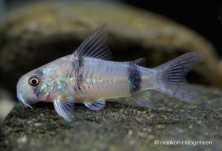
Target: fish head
[[31, 88]]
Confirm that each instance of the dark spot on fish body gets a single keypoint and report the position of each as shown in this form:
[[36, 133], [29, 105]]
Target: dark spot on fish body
[[76, 65], [79, 74], [75, 89], [91, 75], [37, 92], [79, 82], [134, 78], [79, 64]]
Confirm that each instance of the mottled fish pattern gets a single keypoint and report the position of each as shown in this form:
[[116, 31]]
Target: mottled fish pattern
[[88, 76]]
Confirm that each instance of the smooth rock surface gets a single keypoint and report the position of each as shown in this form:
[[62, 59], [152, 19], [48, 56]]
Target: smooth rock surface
[[7, 102], [118, 126], [39, 33]]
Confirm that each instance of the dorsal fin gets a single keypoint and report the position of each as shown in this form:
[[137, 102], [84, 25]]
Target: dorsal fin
[[95, 45], [140, 61]]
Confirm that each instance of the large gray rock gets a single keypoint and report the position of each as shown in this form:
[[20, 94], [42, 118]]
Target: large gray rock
[[6, 103], [36, 34], [118, 126]]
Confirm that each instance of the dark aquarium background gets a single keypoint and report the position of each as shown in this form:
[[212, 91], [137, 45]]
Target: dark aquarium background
[[205, 17]]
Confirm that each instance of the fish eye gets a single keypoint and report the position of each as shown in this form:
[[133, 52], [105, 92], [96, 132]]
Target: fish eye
[[34, 81]]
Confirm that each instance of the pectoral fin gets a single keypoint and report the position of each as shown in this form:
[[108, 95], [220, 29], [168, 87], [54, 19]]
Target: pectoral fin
[[96, 105], [64, 107]]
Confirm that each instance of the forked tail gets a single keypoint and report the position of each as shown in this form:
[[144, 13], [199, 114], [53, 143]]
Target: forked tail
[[171, 77]]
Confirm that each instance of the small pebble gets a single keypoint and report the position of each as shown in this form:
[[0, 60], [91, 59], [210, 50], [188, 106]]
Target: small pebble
[[160, 126], [199, 122], [22, 139]]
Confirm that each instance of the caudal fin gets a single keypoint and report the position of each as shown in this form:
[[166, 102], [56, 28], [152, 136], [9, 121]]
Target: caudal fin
[[171, 77]]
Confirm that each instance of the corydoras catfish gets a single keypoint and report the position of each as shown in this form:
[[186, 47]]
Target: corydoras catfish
[[88, 76]]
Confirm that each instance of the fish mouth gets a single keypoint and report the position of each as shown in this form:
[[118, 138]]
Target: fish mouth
[[21, 99]]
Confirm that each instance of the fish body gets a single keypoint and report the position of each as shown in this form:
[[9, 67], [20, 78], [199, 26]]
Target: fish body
[[88, 76]]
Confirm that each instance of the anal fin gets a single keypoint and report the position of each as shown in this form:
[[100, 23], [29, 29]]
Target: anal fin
[[143, 99], [98, 105]]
